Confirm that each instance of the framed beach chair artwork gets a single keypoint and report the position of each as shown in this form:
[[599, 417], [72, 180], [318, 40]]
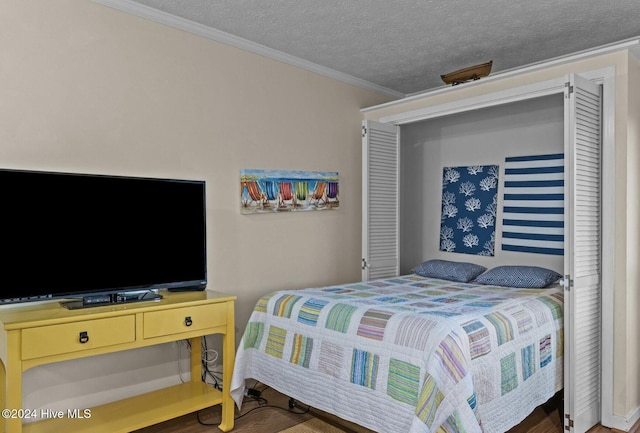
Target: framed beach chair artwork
[[271, 191]]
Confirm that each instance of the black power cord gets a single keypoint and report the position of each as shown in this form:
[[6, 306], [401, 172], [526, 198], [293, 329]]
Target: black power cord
[[255, 395], [206, 371]]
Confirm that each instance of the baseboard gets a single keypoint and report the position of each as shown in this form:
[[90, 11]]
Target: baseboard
[[630, 424]]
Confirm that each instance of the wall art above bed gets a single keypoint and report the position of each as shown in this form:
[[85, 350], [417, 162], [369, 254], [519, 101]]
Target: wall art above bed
[[268, 191], [533, 217], [469, 205]]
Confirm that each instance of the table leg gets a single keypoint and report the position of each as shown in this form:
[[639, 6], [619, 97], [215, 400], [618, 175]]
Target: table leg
[[228, 360], [12, 373]]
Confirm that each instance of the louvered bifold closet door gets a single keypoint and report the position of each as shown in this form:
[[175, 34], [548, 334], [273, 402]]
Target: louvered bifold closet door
[[583, 253], [380, 200]]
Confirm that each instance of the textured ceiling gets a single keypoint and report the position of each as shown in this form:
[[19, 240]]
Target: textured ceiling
[[405, 45]]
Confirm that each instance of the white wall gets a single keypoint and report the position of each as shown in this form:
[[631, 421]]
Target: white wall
[[86, 88], [481, 137]]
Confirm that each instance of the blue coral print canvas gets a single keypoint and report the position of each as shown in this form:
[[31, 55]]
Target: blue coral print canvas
[[469, 205]]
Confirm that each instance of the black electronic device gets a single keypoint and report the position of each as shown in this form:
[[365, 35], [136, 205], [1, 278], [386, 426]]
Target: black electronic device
[[99, 237]]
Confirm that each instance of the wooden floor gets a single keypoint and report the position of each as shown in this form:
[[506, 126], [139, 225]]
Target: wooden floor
[[273, 415]]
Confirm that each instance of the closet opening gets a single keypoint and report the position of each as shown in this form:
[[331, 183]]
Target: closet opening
[[482, 137]]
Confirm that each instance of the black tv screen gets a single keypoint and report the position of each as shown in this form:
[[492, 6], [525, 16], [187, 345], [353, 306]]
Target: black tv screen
[[68, 235]]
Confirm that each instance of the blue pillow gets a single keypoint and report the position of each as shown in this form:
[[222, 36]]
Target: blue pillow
[[530, 277], [448, 270]]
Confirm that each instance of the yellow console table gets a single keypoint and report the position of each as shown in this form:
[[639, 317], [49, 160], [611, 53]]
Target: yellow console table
[[37, 334]]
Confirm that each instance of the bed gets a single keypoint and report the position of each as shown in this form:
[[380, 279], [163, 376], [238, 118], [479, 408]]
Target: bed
[[409, 353]]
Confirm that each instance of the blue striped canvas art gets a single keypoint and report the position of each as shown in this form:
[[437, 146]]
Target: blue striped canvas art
[[533, 214]]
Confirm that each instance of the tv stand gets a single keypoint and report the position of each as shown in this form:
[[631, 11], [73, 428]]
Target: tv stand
[[33, 335], [113, 298]]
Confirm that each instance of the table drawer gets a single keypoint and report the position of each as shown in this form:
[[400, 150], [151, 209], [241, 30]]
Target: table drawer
[[77, 336], [168, 322]]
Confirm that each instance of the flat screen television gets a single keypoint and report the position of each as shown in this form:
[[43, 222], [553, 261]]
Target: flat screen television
[[99, 238]]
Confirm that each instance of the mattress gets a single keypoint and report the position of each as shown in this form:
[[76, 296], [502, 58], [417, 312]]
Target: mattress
[[408, 354]]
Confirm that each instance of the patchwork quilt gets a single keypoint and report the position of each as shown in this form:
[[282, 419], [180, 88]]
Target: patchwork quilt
[[409, 354]]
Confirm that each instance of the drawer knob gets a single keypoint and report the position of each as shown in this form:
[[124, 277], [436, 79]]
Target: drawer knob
[[84, 337], [188, 321]]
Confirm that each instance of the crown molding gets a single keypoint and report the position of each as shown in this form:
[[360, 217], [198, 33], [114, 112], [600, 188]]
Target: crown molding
[[165, 18]]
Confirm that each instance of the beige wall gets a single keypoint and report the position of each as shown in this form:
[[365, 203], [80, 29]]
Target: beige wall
[[626, 356], [86, 88]]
